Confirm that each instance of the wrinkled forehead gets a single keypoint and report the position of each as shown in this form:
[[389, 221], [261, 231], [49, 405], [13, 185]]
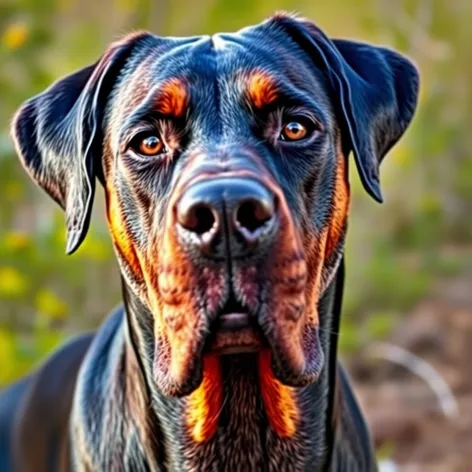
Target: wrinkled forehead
[[257, 64]]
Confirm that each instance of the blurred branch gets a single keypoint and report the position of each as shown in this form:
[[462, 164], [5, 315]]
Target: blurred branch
[[418, 366]]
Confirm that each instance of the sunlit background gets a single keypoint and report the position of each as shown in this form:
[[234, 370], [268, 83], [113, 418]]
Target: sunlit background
[[409, 260]]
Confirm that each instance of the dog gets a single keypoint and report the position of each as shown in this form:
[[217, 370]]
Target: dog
[[224, 161]]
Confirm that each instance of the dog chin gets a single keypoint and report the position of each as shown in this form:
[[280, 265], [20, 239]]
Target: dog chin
[[297, 363], [181, 380]]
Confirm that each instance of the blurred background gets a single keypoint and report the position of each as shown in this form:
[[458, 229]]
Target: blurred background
[[409, 261]]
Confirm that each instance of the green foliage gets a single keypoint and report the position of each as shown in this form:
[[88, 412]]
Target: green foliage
[[395, 251]]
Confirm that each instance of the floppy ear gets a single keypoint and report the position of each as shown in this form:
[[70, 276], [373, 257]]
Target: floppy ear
[[58, 136], [377, 89]]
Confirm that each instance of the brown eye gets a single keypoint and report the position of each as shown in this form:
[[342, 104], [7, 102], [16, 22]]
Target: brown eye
[[151, 146], [294, 131]]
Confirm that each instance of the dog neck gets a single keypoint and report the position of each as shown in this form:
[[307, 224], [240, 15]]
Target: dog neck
[[153, 432]]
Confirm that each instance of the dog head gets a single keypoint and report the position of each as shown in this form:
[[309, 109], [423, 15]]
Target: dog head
[[224, 161]]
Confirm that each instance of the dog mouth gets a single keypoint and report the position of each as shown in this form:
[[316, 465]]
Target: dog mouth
[[251, 313], [234, 330], [255, 302], [280, 328]]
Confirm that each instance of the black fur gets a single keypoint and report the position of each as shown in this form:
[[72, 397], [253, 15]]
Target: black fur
[[97, 404]]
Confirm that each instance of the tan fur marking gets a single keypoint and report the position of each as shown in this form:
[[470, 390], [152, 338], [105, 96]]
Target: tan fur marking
[[204, 404], [262, 89], [173, 98], [120, 235], [279, 400], [341, 200]]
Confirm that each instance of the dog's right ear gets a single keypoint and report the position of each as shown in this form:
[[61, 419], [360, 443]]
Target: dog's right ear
[[375, 91], [58, 135]]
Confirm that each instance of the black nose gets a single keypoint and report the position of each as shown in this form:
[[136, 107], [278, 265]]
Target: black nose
[[238, 211]]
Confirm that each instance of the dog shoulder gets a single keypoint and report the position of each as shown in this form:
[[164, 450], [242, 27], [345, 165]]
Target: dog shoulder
[[96, 384], [43, 406]]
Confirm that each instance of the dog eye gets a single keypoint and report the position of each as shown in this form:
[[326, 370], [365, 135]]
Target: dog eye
[[151, 146], [148, 144], [297, 128]]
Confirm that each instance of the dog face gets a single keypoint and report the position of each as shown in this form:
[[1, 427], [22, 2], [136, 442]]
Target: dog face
[[224, 161]]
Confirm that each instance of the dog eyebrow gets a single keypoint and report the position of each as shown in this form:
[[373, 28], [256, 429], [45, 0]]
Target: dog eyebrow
[[172, 98], [264, 92], [168, 99], [262, 89]]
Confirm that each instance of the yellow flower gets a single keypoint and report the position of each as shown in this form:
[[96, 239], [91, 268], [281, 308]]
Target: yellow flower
[[49, 305], [16, 240], [12, 282], [15, 35]]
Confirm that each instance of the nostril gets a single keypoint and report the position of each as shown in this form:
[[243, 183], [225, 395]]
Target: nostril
[[198, 219], [252, 214]]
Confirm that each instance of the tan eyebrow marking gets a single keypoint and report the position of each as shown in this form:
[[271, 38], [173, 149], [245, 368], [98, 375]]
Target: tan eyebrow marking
[[173, 98], [261, 89]]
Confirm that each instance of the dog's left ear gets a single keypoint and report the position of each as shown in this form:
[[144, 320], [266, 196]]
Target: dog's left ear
[[58, 135], [377, 90]]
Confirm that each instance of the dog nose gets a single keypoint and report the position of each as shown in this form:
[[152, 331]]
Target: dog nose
[[242, 211]]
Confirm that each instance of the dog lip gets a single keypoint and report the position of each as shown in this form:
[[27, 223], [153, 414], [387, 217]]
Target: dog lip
[[236, 340], [235, 331], [241, 349]]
